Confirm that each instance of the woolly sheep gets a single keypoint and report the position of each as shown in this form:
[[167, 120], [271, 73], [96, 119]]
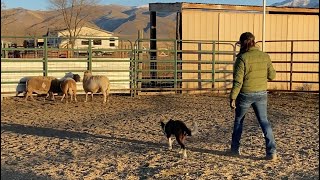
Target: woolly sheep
[[69, 86], [96, 84], [46, 85], [39, 85]]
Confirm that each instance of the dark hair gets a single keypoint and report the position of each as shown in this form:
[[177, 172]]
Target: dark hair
[[246, 42]]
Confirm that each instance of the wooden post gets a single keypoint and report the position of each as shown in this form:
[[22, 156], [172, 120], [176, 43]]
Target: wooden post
[[153, 46]]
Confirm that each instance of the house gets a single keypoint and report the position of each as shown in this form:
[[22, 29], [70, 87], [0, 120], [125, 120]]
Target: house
[[102, 41]]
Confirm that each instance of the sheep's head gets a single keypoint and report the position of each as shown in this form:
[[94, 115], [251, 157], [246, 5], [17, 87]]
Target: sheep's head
[[76, 77], [87, 73]]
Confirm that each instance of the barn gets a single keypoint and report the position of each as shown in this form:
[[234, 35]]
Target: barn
[[291, 39]]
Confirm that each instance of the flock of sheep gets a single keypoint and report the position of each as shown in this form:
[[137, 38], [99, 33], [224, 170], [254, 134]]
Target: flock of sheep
[[67, 86]]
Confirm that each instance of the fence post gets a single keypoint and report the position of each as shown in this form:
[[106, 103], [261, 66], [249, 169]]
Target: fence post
[[133, 68], [213, 62], [89, 56], [199, 65], [291, 65], [153, 48], [139, 57], [175, 65], [45, 57]]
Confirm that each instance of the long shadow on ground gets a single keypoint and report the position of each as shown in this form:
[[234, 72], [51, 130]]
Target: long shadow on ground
[[10, 174], [84, 136]]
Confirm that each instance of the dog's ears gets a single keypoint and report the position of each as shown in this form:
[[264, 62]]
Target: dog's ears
[[162, 124]]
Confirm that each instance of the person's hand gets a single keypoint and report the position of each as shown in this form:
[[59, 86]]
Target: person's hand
[[233, 103]]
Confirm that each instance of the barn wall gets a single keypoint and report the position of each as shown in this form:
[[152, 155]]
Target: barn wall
[[198, 25], [227, 26]]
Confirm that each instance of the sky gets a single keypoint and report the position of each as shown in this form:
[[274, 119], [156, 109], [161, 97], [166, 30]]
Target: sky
[[44, 5]]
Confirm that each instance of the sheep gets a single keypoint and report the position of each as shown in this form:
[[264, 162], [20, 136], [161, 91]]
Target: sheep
[[95, 84], [69, 85], [39, 85], [46, 85]]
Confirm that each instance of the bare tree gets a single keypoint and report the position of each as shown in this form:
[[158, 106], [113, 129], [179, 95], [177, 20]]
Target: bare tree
[[75, 14], [3, 7], [7, 17]]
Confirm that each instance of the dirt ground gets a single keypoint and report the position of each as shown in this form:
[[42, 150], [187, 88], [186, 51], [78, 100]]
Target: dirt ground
[[53, 140]]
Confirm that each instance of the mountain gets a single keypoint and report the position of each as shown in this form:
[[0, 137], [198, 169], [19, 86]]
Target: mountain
[[123, 21], [134, 19], [298, 3]]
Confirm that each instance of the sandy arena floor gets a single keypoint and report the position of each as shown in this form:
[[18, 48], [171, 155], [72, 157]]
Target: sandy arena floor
[[53, 140]]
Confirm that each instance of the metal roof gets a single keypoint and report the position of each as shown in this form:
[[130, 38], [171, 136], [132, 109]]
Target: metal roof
[[180, 6]]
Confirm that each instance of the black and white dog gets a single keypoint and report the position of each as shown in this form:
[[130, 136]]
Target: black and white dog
[[180, 131]]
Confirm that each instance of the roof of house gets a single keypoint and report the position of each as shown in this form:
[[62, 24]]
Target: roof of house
[[102, 30]]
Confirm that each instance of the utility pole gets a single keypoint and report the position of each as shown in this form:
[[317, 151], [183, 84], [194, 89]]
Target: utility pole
[[264, 26]]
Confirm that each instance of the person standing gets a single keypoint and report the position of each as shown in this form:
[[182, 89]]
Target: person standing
[[252, 70]]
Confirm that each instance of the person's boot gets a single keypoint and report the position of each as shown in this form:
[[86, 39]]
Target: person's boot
[[271, 157]]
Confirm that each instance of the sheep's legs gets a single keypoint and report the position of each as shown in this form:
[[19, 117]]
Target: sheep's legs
[[75, 97], [63, 97], [71, 97], [104, 97], [66, 97], [91, 96], [27, 95], [86, 96], [50, 94]]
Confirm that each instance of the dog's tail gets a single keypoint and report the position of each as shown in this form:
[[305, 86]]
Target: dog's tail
[[194, 129]]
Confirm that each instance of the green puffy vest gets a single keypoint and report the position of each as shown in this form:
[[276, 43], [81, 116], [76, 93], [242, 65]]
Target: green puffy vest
[[251, 72]]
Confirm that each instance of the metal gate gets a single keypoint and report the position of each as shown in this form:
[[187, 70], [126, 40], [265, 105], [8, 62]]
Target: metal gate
[[200, 66]]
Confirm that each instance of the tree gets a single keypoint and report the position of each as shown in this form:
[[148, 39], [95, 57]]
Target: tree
[[7, 17], [75, 14], [3, 7]]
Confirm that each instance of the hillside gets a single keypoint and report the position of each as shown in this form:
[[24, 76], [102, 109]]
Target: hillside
[[123, 21], [298, 3]]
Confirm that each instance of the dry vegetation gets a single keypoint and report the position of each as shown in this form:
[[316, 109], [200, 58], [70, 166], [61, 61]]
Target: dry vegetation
[[53, 140]]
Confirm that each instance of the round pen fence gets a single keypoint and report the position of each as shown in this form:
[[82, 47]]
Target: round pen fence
[[153, 65]]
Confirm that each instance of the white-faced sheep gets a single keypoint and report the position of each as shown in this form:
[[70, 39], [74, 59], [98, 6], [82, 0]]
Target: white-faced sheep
[[69, 86], [96, 84]]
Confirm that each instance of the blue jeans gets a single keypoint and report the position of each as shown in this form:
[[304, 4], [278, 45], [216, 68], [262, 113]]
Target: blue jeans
[[258, 101]]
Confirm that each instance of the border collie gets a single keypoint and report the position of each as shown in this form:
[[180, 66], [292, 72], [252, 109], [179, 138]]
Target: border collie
[[180, 131]]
